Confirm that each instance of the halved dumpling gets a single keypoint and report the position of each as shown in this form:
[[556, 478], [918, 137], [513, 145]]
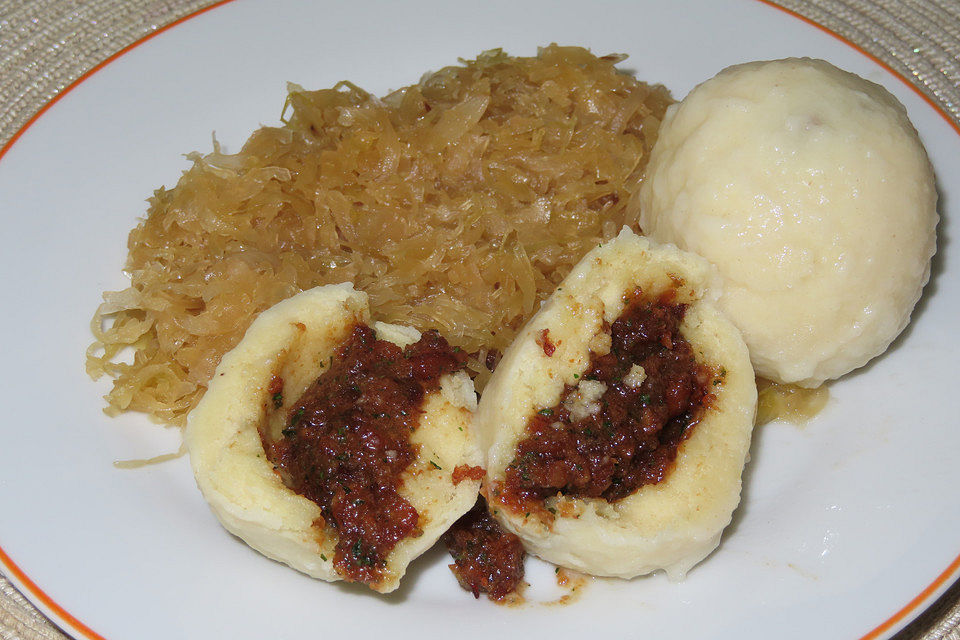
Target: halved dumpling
[[249, 402], [575, 464]]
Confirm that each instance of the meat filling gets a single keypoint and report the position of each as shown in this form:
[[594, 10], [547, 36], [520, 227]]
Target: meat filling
[[347, 441], [487, 559], [620, 427]]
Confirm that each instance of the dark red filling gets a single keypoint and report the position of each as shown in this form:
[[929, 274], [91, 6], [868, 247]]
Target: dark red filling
[[633, 435], [487, 559], [347, 441]]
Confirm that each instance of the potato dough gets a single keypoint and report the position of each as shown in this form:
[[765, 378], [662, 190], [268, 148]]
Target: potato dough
[[671, 525], [292, 340], [810, 191]]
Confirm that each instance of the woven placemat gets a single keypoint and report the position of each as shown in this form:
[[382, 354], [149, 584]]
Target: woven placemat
[[45, 45]]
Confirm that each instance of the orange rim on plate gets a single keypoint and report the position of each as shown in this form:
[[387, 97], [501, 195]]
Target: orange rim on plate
[[39, 596]]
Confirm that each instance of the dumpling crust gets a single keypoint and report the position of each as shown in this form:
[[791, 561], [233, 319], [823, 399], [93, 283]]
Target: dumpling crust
[[293, 339], [670, 525]]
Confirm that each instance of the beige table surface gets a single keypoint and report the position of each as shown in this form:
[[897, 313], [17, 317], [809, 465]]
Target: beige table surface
[[45, 45]]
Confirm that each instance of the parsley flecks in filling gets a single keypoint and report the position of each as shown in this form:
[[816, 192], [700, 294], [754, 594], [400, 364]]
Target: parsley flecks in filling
[[346, 443], [620, 426], [487, 558]]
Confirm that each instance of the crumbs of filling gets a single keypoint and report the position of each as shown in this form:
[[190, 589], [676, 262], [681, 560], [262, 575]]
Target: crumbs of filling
[[545, 343], [467, 472], [487, 558], [347, 441], [620, 426]]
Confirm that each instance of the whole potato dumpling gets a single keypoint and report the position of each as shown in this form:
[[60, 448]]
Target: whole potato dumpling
[[809, 189]]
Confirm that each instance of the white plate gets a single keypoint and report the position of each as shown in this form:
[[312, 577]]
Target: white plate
[[844, 522]]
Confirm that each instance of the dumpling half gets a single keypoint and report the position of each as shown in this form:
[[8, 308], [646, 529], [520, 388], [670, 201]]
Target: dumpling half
[[618, 423], [289, 446]]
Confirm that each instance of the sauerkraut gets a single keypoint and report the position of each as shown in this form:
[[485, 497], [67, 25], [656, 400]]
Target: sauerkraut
[[777, 401], [456, 204]]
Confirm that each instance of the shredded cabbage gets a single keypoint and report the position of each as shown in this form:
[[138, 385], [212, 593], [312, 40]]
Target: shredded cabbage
[[456, 204]]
